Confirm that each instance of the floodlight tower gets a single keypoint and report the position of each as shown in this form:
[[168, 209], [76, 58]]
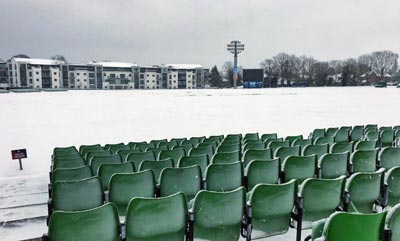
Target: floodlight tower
[[235, 47]]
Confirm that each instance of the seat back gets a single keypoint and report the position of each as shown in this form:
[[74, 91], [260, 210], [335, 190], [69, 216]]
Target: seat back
[[175, 155], [341, 147], [71, 174], [228, 147], [254, 146], [179, 140], [124, 187], [324, 140], [365, 145], [202, 150], [77, 195], [389, 157], [157, 143], [317, 133], [302, 143], [218, 215], [226, 157], [372, 136], [250, 155], [283, 152], [343, 134], [125, 153], [91, 155], [299, 167], [115, 149], [331, 131], [83, 147], [364, 189], [292, 139], [157, 150], [64, 150], [143, 146], [356, 133], [262, 171], [214, 145], [333, 165], [99, 160], [264, 137], [108, 147], [370, 127], [274, 145], [201, 161], [272, 205], [320, 197], [157, 219], [224, 177], [392, 223], [88, 150], [100, 224], [392, 180], [184, 179], [251, 136], [156, 166], [137, 144], [364, 161], [107, 170], [354, 227], [386, 137], [70, 163], [169, 145], [186, 148], [316, 149], [138, 158]]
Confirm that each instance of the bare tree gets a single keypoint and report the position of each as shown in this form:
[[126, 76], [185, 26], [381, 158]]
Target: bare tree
[[384, 62], [59, 57]]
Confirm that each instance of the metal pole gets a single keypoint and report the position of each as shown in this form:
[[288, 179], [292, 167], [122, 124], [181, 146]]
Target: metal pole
[[20, 164], [235, 75]]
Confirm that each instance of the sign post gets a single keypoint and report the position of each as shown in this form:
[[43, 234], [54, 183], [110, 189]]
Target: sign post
[[18, 155]]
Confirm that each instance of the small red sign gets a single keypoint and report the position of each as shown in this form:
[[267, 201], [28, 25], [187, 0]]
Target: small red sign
[[18, 154]]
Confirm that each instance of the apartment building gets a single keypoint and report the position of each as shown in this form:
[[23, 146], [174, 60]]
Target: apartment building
[[48, 73]]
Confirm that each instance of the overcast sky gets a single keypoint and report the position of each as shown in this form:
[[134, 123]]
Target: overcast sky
[[197, 31]]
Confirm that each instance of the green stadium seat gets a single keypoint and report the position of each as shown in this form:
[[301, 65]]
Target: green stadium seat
[[83, 147], [107, 170], [342, 135], [356, 133], [90, 155], [302, 143], [251, 136], [220, 138], [125, 186], [76, 195], [391, 192], [99, 160], [187, 180], [156, 166], [193, 142], [88, 150], [198, 139], [386, 138], [224, 177], [108, 147], [320, 132], [272, 140], [392, 224], [299, 168], [157, 219], [362, 190], [333, 165], [370, 127], [252, 141], [186, 148], [69, 163], [138, 158], [365, 145], [226, 157], [143, 146], [200, 160], [157, 143], [214, 145], [157, 150], [363, 161], [342, 226], [125, 153], [71, 174], [389, 157], [262, 171], [65, 150], [283, 152], [250, 155], [317, 199], [228, 148], [265, 137], [271, 207], [274, 145], [217, 216], [292, 139], [175, 155], [116, 149], [133, 144], [324, 140], [316, 149], [169, 145], [100, 224], [341, 147], [179, 140], [254, 146], [202, 150], [371, 136], [236, 137], [331, 131], [385, 128]]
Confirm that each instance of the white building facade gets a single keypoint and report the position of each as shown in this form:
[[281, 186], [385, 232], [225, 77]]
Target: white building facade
[[54, 74]]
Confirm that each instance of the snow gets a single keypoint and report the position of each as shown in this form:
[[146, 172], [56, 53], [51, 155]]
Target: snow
[[184, 66], [39, 61], [40, 121], [115, 64]]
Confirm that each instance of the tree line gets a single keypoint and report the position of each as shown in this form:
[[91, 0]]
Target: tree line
[[288, 69]]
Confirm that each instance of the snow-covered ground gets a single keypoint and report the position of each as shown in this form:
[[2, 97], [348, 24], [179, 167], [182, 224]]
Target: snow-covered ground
[[41, 121]]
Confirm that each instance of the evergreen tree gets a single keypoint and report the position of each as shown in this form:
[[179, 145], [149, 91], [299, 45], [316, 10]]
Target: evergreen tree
[[215, 78]]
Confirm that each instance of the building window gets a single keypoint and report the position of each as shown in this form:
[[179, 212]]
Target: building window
[[130, 75], [170, 77], [148, 75], [189, 75], [55, 73], [142, 76], [77, 73], [174, 75], [55, 79], [85, 80], [105, 74], [147, 81], [84, 73], [37, 72], [154, 81], [37, 79], [78, 80]]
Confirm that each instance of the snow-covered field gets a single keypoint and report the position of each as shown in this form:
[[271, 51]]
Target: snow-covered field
[[41, 121]]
